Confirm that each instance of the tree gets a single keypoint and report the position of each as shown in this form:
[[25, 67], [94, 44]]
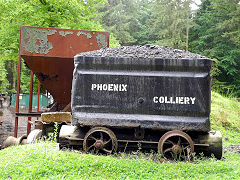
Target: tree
[[170, 22], [140, 27], [71, 14], [3, 80], [216, 35], [117, 16]]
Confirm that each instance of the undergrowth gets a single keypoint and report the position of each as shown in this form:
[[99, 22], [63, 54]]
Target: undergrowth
[[225, 117]]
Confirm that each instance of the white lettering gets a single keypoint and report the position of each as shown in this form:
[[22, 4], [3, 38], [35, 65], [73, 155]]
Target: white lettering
[[93, 86], [186, 100], [124, 87], [161, 99], [155, 99], [174, 100], [193, 99], [180, 100], [115, 87], [119, 87], [177, 100], [166, 100], [99, 87], [109, 87], [171, 100], [105, 87]]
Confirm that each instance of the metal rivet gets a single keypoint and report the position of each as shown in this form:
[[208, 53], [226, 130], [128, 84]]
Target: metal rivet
[[140, 100]]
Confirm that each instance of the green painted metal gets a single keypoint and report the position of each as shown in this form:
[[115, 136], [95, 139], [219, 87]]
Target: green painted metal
[[24, 100]]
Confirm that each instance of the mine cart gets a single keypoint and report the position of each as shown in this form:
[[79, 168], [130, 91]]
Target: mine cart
[[147, 97]]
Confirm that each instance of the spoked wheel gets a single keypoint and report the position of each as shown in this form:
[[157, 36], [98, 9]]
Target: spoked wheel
[[176, 145], [100, 140]]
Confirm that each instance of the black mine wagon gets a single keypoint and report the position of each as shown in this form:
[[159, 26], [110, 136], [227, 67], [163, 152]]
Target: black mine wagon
[[153, 97]]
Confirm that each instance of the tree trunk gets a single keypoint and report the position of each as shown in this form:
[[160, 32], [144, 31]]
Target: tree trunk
[[187, 36], [14, 78]]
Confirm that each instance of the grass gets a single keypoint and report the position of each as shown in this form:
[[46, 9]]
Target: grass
[[44, 161], [225, 117]]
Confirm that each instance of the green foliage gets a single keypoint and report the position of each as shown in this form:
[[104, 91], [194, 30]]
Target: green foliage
[[170, 22], [113, 42], [25, 79], [139, 22], [3, 80], [140, 27], [216, 35], [117, 17], [46, 13], [52, 136], [225, 117], [128, 20], [11, 74]]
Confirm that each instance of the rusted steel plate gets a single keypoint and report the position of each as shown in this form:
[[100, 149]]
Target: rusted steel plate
[[49, 53]]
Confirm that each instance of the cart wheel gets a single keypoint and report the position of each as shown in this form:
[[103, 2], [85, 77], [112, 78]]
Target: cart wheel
[[100, 140], [34, 135], [176, 145]]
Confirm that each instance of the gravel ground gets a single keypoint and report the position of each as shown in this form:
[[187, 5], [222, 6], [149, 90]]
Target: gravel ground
[[146, 51], [232, 148], [8, 122]]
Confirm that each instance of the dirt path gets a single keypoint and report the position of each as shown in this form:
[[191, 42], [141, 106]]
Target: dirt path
[[8, 118]]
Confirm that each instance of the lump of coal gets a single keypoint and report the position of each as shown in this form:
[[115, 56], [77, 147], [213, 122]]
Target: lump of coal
[[146, 51]]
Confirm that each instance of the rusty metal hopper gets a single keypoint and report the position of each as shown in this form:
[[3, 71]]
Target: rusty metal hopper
[[49, 53]]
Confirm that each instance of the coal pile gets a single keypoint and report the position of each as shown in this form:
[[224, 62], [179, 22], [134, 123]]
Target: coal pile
[[146, 51]]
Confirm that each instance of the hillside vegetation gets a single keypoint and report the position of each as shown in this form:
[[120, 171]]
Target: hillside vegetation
[[44, 161], [225, 117]]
